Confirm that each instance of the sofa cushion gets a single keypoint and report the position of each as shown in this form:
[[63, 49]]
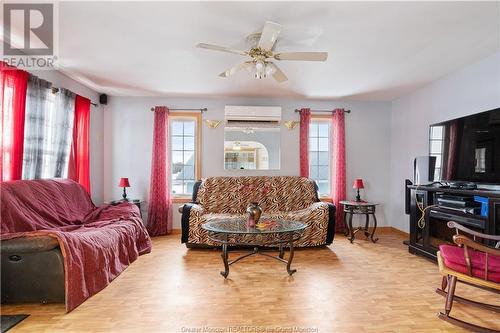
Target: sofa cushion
[[454, 259], [231, 195]]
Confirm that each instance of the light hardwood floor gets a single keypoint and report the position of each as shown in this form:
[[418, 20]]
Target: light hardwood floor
[[360, 287]]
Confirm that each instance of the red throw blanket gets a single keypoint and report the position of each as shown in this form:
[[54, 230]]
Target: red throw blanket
[[97, 243]]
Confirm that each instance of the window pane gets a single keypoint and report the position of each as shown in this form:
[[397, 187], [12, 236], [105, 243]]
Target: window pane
[[176, 127], [323, 187], [313, 158], [177, 186], [437, 132], [188, 172], [189, 127], [313, 129], [177, 157], [313, 144], [324, 130], [324, 158], [436, 147], [189, 186], [313, 172], [189, 157], [323, 172], [323, 144], [189, 143], [177, 143]]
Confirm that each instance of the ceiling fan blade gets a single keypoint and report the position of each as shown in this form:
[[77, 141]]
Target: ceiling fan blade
[[269, 35], [234, 69], [302, 56], [278, 73], [220, 48]]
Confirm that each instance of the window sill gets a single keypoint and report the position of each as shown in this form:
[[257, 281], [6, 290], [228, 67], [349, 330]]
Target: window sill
[[181, 199], [326, 199]]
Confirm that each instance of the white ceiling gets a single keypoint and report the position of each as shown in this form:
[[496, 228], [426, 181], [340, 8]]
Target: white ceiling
[[377, 50]]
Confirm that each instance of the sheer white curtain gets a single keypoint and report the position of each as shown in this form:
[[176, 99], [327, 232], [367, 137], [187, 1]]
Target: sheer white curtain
[[48, 130]]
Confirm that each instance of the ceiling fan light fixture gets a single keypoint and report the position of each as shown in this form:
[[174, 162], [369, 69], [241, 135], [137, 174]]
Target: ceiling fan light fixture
[[259, 65], [270, 70]]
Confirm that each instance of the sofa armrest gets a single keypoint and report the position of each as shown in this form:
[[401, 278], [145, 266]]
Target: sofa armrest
[[29, 244], [330, 233], [188, 210]]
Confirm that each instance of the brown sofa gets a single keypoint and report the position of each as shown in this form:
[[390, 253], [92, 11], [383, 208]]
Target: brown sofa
[[287, 197]]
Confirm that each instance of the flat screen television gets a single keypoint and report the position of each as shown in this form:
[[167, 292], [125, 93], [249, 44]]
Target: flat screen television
[[467, 148]]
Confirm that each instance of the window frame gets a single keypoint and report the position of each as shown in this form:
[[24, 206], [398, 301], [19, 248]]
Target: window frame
[[441, 141], [183, 198], [323, 118]]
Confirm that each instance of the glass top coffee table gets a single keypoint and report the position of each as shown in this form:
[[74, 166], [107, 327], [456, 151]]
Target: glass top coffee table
[[273, 232]]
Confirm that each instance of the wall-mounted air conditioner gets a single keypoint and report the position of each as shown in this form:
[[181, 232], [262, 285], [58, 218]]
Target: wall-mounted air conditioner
[[253, 114]]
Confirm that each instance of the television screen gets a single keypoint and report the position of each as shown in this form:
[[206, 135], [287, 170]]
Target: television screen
[[467, 148]]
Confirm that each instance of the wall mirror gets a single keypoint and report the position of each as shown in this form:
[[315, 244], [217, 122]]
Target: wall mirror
[[252, 138]]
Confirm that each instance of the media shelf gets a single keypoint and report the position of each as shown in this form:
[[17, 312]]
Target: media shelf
[[428, 220]]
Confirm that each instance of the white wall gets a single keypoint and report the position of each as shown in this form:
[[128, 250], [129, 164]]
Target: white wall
[[473, 89], [128, 122], [96, 128]]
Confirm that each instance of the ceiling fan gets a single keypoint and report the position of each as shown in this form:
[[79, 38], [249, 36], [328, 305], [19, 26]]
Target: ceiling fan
[[262, 54]]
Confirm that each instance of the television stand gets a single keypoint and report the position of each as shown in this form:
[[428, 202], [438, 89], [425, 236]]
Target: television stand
[[428, 220]]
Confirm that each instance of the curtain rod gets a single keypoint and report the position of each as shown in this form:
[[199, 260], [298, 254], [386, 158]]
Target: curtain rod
[[200, 109], [299, 110], [56, 90]]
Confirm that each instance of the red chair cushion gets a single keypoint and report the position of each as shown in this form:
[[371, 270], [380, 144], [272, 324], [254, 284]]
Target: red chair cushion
[[454, 259]]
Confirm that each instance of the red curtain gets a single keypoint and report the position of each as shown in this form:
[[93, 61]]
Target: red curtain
[[13, 86], [305, 120], [338, 181], [79, 163], [160, 202]]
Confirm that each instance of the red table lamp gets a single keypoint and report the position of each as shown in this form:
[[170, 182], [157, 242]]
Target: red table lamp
[[358, 183], [124, 183]]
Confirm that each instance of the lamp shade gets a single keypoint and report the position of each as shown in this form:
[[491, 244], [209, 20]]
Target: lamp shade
[[358, 183], [124, 182]]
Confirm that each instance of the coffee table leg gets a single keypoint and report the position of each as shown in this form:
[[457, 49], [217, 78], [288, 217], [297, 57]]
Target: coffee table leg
[[224, 258], [282, 251], [290, 258]]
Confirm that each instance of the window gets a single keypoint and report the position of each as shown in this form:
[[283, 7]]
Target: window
[[436, 147], [185, 152], [319, 153]]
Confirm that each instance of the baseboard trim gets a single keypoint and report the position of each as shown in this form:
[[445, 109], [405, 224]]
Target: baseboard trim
[[389, 230]]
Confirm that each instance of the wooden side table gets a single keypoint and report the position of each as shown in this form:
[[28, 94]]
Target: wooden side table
[[359, 207]]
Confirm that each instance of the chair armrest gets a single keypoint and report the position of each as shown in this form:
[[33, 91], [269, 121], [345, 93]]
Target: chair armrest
[[29, 244], [458, 226], [462, 240]]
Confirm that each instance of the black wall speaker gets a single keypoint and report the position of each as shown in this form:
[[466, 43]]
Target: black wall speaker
[[407, 196], [103, 99]]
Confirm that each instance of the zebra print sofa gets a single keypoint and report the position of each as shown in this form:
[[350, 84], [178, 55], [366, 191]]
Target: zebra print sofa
[[287, 197]]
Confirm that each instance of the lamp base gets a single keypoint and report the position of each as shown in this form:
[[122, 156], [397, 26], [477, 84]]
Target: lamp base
[[124, 195], [358, 197]]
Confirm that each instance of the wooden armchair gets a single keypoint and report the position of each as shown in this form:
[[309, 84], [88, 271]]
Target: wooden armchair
[[470, 262]]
